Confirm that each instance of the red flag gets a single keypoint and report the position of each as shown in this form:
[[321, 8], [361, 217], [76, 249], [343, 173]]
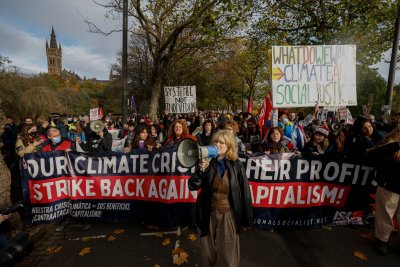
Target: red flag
[[265, 115], [250, 107], [101, 113]]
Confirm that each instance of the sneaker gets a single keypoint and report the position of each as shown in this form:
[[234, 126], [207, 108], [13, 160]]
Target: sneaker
[[380, 247]]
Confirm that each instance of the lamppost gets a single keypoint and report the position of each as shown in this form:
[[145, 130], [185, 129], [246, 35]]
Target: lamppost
[[392, 69], [124, 59]]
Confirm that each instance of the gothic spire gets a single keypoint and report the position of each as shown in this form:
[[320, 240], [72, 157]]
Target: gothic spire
[[53, 41]]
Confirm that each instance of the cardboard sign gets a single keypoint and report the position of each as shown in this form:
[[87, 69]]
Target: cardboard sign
[[94, 114], [305, 75], [180, 99]]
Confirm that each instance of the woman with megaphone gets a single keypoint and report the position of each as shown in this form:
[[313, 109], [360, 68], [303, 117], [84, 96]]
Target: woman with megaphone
[[223, 206]]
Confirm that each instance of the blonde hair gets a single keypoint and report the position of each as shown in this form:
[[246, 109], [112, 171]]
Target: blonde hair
[[227, 137], [324, 145]]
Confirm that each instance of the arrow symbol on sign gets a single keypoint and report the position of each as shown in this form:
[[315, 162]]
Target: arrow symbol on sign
[[277, 74]]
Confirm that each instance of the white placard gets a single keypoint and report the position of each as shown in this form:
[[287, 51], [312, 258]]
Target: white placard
[[114, 134], [305, 75], [94, 114], [118, 145], [180, 99]]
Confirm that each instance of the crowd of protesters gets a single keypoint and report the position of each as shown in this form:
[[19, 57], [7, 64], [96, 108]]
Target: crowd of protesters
[[307, 136]]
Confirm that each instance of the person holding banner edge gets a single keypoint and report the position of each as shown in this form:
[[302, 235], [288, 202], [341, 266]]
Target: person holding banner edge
[[387, 201], [223, 206]]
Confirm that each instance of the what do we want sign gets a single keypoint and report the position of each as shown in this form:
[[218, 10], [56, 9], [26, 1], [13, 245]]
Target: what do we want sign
[[305, 75]]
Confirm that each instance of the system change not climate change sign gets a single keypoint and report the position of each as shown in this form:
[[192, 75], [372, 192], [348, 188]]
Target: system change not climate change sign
[[305, 75]]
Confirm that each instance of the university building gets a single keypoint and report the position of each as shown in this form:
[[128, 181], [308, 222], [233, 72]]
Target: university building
[[54, 55]]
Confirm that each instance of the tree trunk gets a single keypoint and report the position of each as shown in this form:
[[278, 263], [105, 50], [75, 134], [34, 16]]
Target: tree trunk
[[155, 97]]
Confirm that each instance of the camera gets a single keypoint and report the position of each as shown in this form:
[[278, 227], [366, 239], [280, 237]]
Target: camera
[[18, 246]]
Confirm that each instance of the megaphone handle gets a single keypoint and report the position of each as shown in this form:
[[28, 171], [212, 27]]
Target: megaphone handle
[[204, 163]]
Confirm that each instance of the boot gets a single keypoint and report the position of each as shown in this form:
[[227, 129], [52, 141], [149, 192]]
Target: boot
[[380, 247]]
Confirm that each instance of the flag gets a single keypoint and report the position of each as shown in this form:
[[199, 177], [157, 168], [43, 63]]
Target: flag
[[101, 113], [250, 107], [132, 104], [265, 114]]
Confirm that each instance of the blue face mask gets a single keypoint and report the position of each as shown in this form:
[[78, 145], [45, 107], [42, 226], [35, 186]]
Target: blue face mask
[[285, 120], [56, 140]]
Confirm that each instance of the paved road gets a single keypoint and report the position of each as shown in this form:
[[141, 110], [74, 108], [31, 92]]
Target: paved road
[[317, 247]]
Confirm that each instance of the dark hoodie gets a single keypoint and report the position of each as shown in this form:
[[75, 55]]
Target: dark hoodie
[[97, 144]]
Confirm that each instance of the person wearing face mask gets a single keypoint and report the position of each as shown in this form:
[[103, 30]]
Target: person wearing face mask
[[56, 142]]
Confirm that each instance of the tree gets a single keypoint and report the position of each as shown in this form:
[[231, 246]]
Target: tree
[[3, 61], [250, 62], [371, 90], [367, 24], [163, 24]]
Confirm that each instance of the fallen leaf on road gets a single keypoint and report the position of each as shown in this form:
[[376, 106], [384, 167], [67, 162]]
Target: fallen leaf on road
[[177, 251], [182, 258], [166, 242], [86, 239], [111, 238], [84, 251], [329, 228], [191, 237], [54, 250], [119, 231], [368, 236], [360, 255]]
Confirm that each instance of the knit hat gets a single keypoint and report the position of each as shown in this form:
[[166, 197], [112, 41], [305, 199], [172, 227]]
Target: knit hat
[[322, 131]]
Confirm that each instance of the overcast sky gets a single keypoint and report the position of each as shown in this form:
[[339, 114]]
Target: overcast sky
[[26, 24]]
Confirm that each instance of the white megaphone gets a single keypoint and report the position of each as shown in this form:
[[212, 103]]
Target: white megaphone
[[189, 153]]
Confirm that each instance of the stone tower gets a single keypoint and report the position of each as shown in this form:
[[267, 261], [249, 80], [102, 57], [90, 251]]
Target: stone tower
[[54, 55]]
